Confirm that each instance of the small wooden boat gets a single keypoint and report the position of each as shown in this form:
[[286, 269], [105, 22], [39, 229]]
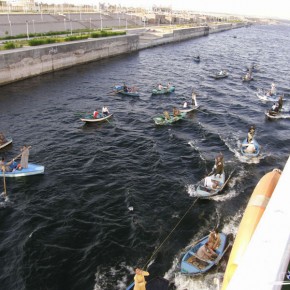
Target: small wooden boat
[[129, 92], [247, 78], [161, 120], [276, 115], [157, 283], [220, 75], [8, 141], [192, 265], [254, 154], [91, 119], [203, 191], [32, 169], [164, 91], [188, 110], [251, 217], [196, 58]]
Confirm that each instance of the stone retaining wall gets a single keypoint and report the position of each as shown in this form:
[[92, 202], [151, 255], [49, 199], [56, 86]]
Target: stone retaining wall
[[27, 62]]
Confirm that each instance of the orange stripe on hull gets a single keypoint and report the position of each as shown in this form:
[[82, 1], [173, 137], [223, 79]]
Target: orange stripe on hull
[[252, 215]]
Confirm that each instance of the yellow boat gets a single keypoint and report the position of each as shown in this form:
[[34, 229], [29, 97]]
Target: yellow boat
[[252, 215]]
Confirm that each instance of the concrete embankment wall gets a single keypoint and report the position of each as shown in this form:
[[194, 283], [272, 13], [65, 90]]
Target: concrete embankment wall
[[27, 62], [24, 63], [173, 36]]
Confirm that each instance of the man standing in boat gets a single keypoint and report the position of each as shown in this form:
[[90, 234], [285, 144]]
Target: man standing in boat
[[219, 165], [251, 134], [193, 97], [3, 140], [24, 156]]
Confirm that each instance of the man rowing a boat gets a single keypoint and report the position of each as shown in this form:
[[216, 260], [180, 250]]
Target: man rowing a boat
[[206, 253]]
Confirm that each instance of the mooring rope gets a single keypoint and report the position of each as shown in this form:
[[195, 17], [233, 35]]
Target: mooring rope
[[155, 252]]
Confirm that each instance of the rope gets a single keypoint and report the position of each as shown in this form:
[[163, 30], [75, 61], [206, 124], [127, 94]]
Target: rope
[[155, 252]]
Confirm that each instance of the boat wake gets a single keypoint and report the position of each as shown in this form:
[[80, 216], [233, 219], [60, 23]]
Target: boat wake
[[234, 144], [4, 200], [209, 281]]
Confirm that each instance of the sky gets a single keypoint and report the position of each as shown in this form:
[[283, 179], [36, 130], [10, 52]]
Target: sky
[[265, 8]]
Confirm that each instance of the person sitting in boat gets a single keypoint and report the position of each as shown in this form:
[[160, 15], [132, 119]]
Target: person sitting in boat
[[214, 240], [221, 73], [160, 87], [219, 165], [169, 85], [125, 88], [275, 107], [105, 111], [140, 282], [185, 105], [248, 76], [211, 183], [176, 112], [3, 140], [250, 147], [251, 134], [6, 166], [166, 115], [206, 253], [95, 114]]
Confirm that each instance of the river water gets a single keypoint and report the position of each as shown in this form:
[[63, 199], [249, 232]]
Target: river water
[[115, 193]]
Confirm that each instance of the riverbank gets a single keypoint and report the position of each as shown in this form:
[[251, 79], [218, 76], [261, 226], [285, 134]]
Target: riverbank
[[26, 62]]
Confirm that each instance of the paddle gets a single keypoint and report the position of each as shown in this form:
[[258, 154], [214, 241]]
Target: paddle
[[219, 258], [201, 111], [4, 182]]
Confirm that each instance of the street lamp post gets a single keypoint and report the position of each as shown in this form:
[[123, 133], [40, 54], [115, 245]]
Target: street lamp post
[[10, 28], [41, 12], [90, 23], [101, 23], [27, 32], [64, 23], [33, 26], [70, 28]]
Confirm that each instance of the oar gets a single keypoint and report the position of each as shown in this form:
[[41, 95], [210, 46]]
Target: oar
[[201, 111], [4, 182], [219, 258]]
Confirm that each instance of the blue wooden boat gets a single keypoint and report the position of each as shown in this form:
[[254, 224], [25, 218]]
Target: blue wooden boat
[[8, 141], [157, 283], [192, 265], [164, 91], [161, 120], [254, 154], [204, 191], [130, 91], [90, 118], [32, 169]]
